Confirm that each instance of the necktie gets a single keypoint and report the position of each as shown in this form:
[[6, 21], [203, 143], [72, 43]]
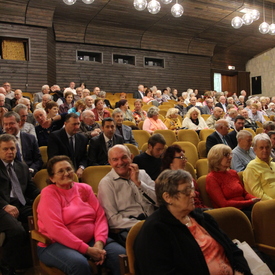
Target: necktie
[[16, 185], [71, 144], [224, 140], [109, 144], [18, 152]]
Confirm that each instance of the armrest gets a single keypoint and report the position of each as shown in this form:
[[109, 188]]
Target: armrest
[[270, 250], [124, 265], [40, 237]]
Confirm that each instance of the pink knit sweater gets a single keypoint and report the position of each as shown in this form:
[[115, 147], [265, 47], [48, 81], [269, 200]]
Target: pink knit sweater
[[71, 217]]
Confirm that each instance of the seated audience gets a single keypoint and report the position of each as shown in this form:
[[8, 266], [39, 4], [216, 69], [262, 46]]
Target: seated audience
[[67, 141], [138, 113], [271, 109], [239, 122], [95, 93], [185, 97], [193, 120], [123, 130], [107, 104], [148, 96], [17, 193], [222, 103], [3, 104], [174, 158], [78, 108], [255, 114], [242, 154], [249, 123], [89, 103], [45, 98], [271, 135], [193, 103], [269, 126], [172, 121], [180, 106], [217, 114], [122, 96], [68, 103], [65, 207], [230, 117], [208, 108], [86, 92], [99, 111], [100, 145], [150, 160], [126, 193], [174, 95], [259, 175], [79, 94], [223, 184], [37, 97], [88, 126], [51, 109], [124, 107], [30, 117], [220, 136], [159, 98], [152, 122], [17, 95], [178, 239]]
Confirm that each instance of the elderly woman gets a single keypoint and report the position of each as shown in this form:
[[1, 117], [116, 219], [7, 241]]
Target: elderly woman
[[123, 105], [185, 97], [223, 184], [78, 108], [193, 120], [172, 121], [70, 215], [159, 98], [107, 104], [51, 109], [259, 175], [68, 103], [99, 111], [176, 239], [255, 114], [152, 122], [138, 113], [174, 159], [148, 96], [271, 109]]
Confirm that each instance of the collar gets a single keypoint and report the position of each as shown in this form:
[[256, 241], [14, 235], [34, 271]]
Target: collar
[[7, 163], [221, 136], [263, 162], [115, 176], [106, 138]]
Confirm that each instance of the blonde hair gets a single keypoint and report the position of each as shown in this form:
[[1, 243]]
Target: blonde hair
[[191, 110], [172, 111], [215, 156]]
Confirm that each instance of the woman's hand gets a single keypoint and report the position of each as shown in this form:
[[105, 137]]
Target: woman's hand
[[96, 254]]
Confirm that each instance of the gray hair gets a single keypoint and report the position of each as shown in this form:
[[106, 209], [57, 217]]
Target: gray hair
[[44, 87], [172, 111], [117, 111], [23, 100], [221, 122], [242, 134], [87, 112], [259, 137], [152, 111], [39, 110], [102, 94], [7, 138], [122, 147], [19, 107]]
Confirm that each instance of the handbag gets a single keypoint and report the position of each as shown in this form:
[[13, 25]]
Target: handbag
[[255, 263]]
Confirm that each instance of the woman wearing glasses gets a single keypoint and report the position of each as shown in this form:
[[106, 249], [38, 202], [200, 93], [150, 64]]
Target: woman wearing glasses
[[174, 159], [223, 184], [70, 215], [179, 239]]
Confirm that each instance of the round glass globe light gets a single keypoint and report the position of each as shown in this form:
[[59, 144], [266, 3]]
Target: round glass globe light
[[264, 28], [69, 2], [153, 6], [177, 10], [255, 15], [166, 1], [236, 22], [247, 19], [140, 5], [272, 29], [88, 1]]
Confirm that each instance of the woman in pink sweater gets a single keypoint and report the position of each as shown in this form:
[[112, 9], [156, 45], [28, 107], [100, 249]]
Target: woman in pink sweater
[[70, 215], [223, 184]]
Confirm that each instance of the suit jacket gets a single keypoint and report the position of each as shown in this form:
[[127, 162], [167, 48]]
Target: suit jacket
[[214, 139], [137, 95], [29, 190], [97, 153], [86, 130], [30, 151], [127, 134], [58, 144], [220, 105], [206, 110], [233, 137]]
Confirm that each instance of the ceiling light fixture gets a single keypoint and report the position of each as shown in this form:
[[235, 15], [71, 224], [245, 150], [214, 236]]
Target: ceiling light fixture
[[272, 26], [264, 27]]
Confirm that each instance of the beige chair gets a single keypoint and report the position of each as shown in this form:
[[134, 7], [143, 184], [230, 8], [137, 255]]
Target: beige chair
[[205, 116], [128, 123], [41, 176], [141, 137], [202, 149], [202, 167], [189, 168], [251, 131], [44, 155], [190, 151], [204, 133], [133, 149], [140, 125], [258, 130], [202, 188], [188, 135], [169, 136], [162, 112]]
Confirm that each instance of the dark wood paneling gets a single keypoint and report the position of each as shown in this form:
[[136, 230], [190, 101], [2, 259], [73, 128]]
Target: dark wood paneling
[[51, 57]]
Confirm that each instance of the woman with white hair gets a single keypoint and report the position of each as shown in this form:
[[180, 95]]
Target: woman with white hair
[[185, 98], [271, 109], [152, 122], [172, 121], [193, 120]]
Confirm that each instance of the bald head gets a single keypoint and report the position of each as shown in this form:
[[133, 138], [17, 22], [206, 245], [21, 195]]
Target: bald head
[[217, 112], [3, 91]]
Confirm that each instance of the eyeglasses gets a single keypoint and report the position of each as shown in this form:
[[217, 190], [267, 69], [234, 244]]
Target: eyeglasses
[[187, 191], [62, 172], [228, 155], [181, 157]]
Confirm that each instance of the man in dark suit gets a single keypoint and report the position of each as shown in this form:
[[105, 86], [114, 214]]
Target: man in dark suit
[[208, 108], [27, 146], [67, 141], [139, 94], [99, 145], [123, 130], [17, 193], [238, 126], [222, 103], [220, 136]]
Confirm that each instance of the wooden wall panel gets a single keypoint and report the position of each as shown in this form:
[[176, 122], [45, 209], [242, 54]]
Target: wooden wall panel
[[181, 71], [51, 57]]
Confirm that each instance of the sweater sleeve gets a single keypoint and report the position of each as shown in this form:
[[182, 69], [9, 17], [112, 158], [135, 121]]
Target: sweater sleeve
[[50, 216], [147, 126]]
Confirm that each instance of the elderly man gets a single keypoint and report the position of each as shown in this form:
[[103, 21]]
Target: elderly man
[[217, 114], [150, 160], [38, 96], [17, 95], [139, 94], [220, 136], [9, 91], [271, 135], [222, 103], [88, 126], [271, 109], [100, 145], [3, 102], [259, 175], [238, 126], [71, 88], [27, 103], [79, 94], [89, 103], [243, 153], [96, 91], [193, 103], [230, 117], [45, 99], [126, 193], [269, 126], [208, 108], [16, 195], [3, 107], [67, 141], [28, 150], [123, 130], [249, 123]]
